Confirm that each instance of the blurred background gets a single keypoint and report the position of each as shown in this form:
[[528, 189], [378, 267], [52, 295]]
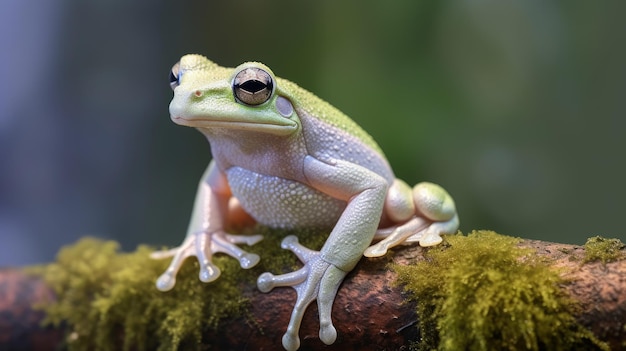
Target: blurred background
[[516, 107]]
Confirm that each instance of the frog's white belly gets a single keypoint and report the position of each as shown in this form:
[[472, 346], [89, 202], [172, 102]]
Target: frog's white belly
[[282, 203]]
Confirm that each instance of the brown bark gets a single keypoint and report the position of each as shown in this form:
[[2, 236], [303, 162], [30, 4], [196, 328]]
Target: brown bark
[[600, 290], [20, 323], [370, 313]]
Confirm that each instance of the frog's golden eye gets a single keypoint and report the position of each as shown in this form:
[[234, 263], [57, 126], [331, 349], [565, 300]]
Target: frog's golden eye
[[253, 86], [175, 76]]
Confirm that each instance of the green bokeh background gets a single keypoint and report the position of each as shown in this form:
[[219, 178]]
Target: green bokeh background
[[516, 108]]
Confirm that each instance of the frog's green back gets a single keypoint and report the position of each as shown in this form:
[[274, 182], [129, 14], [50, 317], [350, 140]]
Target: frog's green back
[[302, 98]]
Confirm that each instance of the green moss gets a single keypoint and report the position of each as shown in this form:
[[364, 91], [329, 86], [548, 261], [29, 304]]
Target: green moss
[[108, 299], [482, 291], [276, 260], [604, 250]]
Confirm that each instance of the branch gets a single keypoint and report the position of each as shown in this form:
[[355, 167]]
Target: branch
[[371, 311]]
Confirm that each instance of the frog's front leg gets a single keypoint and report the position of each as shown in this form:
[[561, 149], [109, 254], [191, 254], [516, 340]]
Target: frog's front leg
[[425, 212], [323, 271], [205, 235]]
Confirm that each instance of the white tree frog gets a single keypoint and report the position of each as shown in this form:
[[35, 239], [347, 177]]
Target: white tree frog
[[291, 160]]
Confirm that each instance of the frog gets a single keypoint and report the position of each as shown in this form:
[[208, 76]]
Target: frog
[[291, 160]]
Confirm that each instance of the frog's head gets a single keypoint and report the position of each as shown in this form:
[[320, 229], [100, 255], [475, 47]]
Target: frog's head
[[209, 96]]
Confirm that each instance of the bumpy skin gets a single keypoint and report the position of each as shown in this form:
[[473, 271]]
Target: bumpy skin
[[292, 160]]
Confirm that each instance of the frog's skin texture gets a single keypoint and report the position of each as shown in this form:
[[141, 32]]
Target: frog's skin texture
[[291, 160]]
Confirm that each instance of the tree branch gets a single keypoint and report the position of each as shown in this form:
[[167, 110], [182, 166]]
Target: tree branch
[[370, 312]]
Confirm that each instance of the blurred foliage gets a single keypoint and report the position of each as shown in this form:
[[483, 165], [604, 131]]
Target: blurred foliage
[[516, 108], [513, 107]]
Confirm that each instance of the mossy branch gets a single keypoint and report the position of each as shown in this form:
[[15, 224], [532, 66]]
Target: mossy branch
[[472, 291]]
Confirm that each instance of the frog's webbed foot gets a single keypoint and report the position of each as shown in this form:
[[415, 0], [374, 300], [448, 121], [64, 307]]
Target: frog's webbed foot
[[435, 214], [203, 245], [417, 229], [317, 280]]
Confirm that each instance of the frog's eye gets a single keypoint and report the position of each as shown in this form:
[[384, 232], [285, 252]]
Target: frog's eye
[[253, 86], [175, 76]]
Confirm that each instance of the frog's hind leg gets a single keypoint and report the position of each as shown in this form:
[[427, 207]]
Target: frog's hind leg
[[395, 236], [435, 204], [434, 214]]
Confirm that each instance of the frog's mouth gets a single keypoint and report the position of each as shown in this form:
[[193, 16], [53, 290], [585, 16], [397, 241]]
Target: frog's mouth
[[271, 127]]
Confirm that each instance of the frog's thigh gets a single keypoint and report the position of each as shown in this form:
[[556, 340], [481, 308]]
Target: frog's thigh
[[399, 205], [433, 202]]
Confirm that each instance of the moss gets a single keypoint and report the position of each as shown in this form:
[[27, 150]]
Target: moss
[[604, 250], [277, 260], [108, 300], [482, 291]]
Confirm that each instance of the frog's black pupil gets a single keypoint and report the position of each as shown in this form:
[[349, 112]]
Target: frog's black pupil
[[254, 86]]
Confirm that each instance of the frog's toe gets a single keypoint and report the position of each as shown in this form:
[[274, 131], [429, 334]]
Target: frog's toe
[[166, 281], [395, 236], [243, 239], [306, 292], [289, 242], [208, 272], [432, 235], [205, 247], [304, 254], [161, 254], [265, 282], [328, 333], [327, 292], [268, 281], [225, 243], [376, 250], [430, 240], [249, 260], [291, 341]]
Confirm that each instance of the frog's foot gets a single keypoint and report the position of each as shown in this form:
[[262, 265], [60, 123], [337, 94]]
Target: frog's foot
[[318, 279], [417, 229], [203, 245], [395, 236]]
